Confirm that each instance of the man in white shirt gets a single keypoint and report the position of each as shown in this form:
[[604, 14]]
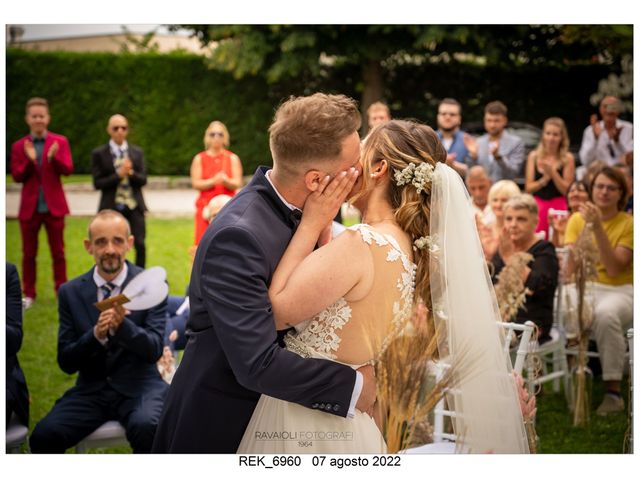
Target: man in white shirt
[[609, 139]]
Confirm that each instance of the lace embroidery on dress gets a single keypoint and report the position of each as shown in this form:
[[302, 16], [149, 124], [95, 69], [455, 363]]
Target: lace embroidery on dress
[[320, 334]]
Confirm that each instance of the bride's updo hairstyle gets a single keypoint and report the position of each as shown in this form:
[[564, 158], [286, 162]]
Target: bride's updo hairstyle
[[401, 143]]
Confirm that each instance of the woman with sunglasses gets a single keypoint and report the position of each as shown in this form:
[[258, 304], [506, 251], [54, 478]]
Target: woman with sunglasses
[[613, 289], [215, 171]]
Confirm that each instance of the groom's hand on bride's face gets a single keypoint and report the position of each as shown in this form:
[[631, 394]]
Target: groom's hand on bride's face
[[368, 394]]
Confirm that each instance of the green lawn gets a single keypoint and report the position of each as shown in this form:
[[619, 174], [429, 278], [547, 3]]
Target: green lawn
[[557, 434], [167, 245]]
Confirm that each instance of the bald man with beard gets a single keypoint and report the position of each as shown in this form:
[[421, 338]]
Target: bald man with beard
[[119, 172]]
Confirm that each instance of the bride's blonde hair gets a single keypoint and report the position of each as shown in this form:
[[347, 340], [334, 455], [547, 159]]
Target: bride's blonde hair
[[401, 143]]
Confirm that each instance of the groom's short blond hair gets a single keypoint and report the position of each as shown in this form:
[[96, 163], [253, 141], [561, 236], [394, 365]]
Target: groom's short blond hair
[[311, 128]]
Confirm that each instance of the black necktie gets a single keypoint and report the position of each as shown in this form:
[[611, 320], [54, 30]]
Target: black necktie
[[107, 290]]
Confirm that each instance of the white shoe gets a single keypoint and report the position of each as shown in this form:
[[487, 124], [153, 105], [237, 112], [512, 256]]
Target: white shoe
[[27, 302], [610, 404]]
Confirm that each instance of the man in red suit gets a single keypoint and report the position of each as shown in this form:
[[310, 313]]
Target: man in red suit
[[37, 161]]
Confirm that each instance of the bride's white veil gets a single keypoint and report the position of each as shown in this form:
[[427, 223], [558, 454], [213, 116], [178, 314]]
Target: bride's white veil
[[488, 416]]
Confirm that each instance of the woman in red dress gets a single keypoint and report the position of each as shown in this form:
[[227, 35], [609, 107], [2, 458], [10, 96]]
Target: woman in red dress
[[214, 171]]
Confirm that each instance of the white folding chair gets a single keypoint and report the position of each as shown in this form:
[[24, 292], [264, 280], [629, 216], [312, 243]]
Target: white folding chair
[[109, 434], [524, 344], [553, 360], [553, 353], [17, 436], [520, 352]]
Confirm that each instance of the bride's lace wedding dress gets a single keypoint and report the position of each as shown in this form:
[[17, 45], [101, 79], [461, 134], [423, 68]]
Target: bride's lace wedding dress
[[352, 333]]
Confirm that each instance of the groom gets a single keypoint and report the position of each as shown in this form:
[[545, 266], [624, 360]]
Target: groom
[[232, 355]]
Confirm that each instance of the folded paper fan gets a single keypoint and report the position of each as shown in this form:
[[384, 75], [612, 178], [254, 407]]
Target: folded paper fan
[[147, 289]]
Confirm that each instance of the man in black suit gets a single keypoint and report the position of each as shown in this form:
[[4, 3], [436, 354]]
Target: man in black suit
[[119, 172], [232, 355], [114, 351], [17, 393]]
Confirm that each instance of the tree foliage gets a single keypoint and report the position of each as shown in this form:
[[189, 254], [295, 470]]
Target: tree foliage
[[310, 53]]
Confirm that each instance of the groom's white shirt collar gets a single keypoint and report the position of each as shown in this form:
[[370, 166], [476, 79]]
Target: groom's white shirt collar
[[284, 200]]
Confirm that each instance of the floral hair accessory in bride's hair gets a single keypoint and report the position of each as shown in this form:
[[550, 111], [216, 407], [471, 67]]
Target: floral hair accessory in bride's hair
[[426, 242], [418, 175]]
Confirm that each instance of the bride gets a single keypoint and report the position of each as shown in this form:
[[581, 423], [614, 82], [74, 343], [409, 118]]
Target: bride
[[348, 299]]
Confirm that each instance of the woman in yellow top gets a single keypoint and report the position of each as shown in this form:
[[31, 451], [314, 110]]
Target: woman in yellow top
[[613, 291]]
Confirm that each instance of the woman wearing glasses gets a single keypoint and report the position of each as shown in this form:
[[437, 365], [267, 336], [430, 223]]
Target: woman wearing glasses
[[215, 171], [613, 290]]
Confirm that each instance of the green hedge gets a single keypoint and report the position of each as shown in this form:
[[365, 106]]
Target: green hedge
[[168, 99]]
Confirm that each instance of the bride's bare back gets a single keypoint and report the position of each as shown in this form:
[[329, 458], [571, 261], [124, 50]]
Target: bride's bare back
[[354, 331]]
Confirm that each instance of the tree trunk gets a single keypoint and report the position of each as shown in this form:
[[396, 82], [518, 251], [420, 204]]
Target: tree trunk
[[372, 76]]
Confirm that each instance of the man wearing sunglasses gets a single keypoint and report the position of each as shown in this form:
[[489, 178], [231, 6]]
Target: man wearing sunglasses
[[119, 173]]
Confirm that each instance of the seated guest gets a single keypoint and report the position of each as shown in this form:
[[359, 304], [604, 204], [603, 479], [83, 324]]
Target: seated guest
[[215, 205], [114, 351], [498, 151], [541, 274], [17, 393], [499, 194], [458, 144], [549, 171], [613, 290], [609, 139], [174, 335], [478, 185], [577, 194]]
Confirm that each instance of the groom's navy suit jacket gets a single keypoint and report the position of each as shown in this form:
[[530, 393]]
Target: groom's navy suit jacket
[[232, 355]]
